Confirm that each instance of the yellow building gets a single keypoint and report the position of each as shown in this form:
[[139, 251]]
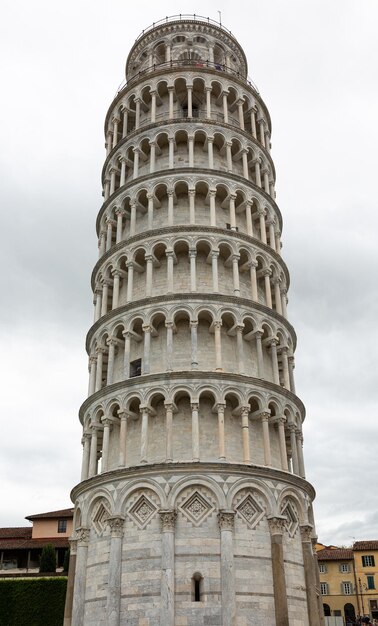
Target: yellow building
[[338, 583], [366, 568]]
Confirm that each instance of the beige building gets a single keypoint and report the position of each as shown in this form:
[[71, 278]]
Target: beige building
[[193, 507]]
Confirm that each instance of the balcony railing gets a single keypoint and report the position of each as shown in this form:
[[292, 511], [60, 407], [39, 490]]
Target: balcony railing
[[184, 16], [157, 67]]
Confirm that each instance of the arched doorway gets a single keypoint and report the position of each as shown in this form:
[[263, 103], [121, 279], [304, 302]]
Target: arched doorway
[[327, 610], [350, 613]]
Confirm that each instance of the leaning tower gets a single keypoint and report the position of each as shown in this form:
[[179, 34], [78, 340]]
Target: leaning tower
[[193, 508]]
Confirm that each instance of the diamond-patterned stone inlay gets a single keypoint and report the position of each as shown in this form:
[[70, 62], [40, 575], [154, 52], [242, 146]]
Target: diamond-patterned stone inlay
[[142, 511], [291, 523], [100, 519], [196, 508], [250, 511]]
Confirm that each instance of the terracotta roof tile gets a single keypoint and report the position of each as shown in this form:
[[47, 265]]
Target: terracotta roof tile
[[18, 532], [366, 545], [30, 544], [52, 514], [340, 554]]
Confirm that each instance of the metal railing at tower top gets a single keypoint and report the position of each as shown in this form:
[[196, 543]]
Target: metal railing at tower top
[[182, 63], [185, 16]]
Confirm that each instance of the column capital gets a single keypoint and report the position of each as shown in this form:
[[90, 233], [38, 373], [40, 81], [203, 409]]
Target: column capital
[[220, 406], [73, 544], [239, 328], [194, 406], [245, 410], [215, 254], [226, 519], [276, 524], [82, 535], [168, 405], [168, 519], [266, 272], [193, 323], [92, 359], [120, 211], [100, 350], [123, 414], [116, 523], [265, 416], [306, 532], [261, 212], [217, 323], [192, 254], [85, 437], [169, 324], [146, 328], [291, 427]]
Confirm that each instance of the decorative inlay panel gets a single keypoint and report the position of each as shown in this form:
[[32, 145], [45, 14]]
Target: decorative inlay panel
[[196, 508], [250, 511], [290, 512], [100, 518], [142, 511]]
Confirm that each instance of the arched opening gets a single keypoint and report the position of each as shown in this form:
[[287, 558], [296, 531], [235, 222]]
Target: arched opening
[[197, 587], [327, 610], [350, 613]]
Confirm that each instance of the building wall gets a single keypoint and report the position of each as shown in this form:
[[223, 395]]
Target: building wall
[[49, 528]]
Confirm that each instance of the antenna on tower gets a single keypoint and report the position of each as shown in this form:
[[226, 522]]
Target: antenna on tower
[[220, 18]]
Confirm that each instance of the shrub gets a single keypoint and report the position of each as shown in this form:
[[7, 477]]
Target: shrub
[[47, 561], [32, 601]]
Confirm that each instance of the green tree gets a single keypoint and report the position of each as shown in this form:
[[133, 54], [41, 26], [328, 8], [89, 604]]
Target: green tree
[[66, 561], [47, 561]]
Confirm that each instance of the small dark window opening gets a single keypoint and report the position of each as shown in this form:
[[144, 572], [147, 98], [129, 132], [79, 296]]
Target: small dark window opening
[[135, 368], [62, 526], [195, 111], [228, 226], [197, 588]]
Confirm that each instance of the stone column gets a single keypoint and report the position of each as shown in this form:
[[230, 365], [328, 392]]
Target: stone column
[[260, 357], [147, 345], [107, 423], [136, 162], [192, 210], [229, 155], [115, 131], [191, 150], [208, 102], [283, 302], [273, 352], [86, 441], [261, 214], [92, 374], [109, 233], [268, 294], [299, 438], [137, 113], [262, 132], [195, 432], [120, 215], [225, 107], [266, 438], [168, 432], [126, 356], [112, 343], [193, 343], [123, 416], [149, 269], [100, 354], [170, 93], [102, 243], [310, 577], [80, 576], [218, 346], [130, 280], [272, 235], [294, 451], [277, 295], [113, 172], [167, 606], [144, 434], [169, 255], [171, 152], [125, 120], [190, 105], [245, 434], [152, 156], [153, 106], [192, 259], [254, 292], [220, 411], [285, 367], [282, 440], [132, 218], [235, 274], [150, 211], [240, 113], [106, 189], [214, 268], [98, 293], [123, 172], [210, 152], [169, 327], [248, 219], [276, 527], [70, 582], [257, 172], [266, 181], [245, 163], [240, 347], [213, 216], [113, 593], [170, 207], [93, 452], [291, 373], [232, 197], [104, 302], [226, 525], [253, 123]]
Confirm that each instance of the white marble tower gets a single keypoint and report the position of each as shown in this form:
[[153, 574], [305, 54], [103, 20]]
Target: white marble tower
[[193, 508]]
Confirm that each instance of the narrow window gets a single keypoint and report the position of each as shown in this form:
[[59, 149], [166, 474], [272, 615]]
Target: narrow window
[[370, 582], [368, 561], [62, 526], [197, 588], [135, 368]]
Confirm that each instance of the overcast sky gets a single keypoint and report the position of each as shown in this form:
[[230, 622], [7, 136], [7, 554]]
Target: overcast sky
[[315, 63]]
